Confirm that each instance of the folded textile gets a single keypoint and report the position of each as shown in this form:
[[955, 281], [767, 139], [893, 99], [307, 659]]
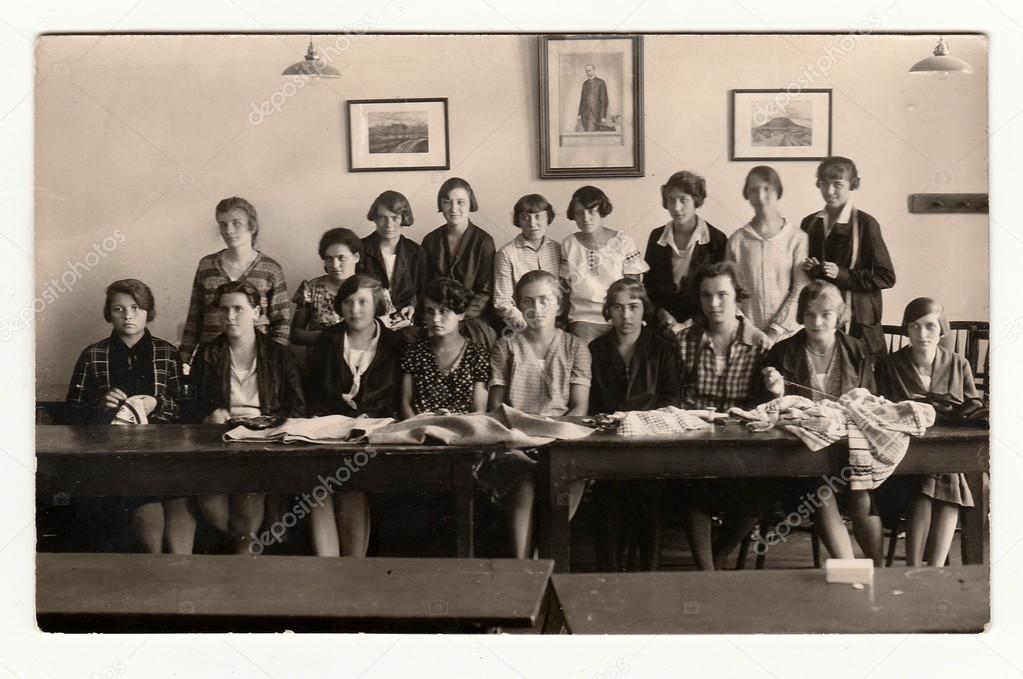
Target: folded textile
[[669, 420], [505, 425], [330, 429], [876, 429]]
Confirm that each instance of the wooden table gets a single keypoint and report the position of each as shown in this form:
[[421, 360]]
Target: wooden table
[[732, 451], [158, 593], [194, 459], [901, 600]]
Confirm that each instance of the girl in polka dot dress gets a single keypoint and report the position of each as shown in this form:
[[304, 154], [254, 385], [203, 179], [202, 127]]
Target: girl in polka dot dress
[[445, 372]]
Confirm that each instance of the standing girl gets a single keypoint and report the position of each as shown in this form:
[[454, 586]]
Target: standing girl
[[769, 253], [464, 252], [239, 261], [394, 260], [595, 257], [241, 373], [340, 249], [352, 371]]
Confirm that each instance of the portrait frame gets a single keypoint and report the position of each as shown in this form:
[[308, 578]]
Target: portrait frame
[[591, 130], [374, 145], [777, 124]]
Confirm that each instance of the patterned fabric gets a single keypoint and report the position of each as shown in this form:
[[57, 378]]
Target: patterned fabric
[[91, 380], [434, 390], [591, 272], [660, 422], [516, 259], [771, 268], [540, 387], [314, 295], [701, 387], [265, 274]]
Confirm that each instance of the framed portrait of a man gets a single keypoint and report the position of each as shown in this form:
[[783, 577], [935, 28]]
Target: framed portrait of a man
[[591, 106]]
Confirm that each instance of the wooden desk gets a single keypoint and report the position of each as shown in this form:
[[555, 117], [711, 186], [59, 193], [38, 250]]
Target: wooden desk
[[193, 459], [160, 593], [732, 451], [902, 600]]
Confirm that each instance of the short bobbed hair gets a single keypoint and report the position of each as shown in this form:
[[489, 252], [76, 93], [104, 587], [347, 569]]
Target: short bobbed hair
[[589, 197], [537, 276], [686, 182], [635, 289], [449, 294], [713, 271], [139, 291], [234, 202], [532, 202], [396, 203], [243, 287], [764, 173], [457, 183], [920, 307], [339, 236], [353, 284], [822, 290], [838, 167]]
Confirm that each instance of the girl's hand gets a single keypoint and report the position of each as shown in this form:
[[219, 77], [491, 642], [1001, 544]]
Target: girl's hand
[[149, 402], [665, 318], [114, 398], [774, 382], [218, 416], [408, 312], [830, 269], [810, 263]]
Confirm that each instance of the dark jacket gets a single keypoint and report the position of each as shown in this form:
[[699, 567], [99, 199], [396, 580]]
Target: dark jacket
[[472, 263], [410, 269], [865, 278], [789, 358], [652, 379], [277, 377], [951, 377], [329, 376], [666, 292]]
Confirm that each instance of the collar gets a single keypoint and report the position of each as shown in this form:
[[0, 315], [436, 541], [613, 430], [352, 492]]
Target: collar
[[748, 228], [522, 243], [844, 217], [117, 344], [745, 332], [701, 236]]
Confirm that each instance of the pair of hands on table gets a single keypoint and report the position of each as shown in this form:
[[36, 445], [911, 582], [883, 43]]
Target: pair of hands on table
[[115, 397]]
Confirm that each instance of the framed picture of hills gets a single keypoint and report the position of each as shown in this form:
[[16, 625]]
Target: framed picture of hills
[[398, 134], [781, 124]]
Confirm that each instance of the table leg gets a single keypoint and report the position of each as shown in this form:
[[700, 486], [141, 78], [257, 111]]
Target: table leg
[[553, 481], [975, 521]]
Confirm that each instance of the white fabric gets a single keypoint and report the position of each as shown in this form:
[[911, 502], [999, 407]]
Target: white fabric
[[244, 390], [358, 362]]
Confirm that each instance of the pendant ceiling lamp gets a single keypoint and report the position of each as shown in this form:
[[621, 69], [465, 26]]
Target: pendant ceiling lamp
[[941, 62], [312, 66]]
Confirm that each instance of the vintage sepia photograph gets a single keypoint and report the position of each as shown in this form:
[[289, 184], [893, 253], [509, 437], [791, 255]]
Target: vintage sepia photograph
[[405, 333]]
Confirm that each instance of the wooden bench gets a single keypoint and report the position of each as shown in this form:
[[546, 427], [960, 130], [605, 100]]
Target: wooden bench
[[901, 600], [164, 593]]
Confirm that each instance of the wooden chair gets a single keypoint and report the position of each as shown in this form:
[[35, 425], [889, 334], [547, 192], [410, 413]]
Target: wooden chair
[[895, 337]]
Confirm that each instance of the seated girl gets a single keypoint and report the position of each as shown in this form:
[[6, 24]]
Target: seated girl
[[542, 371], [721, 356], [595, 257], [464, 252], [634, 368], [238, 261], [352, 371], [242, 373], [393, 259], [769, 252], [340, 249], [531, 250], [131, 363], [444, 372], [822, 362], [919, 369], [680, 247]]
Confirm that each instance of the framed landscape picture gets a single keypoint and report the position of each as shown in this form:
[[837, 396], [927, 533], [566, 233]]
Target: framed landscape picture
[[398, 134], [591, 106], [781, 125]]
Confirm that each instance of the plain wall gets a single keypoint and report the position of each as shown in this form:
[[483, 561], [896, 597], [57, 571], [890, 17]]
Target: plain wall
[[137, 138]]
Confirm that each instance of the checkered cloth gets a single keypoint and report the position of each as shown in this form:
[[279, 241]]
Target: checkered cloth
[[661, 422]]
